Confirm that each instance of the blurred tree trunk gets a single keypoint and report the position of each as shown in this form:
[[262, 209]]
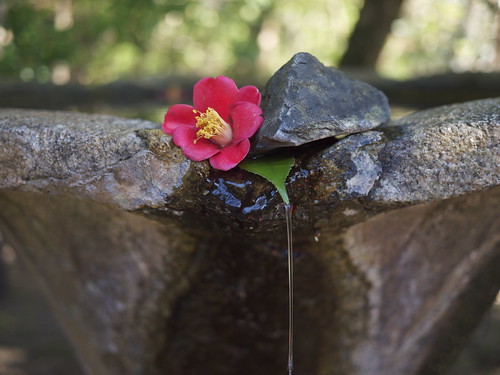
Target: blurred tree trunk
[[369, 35], [3, 10]]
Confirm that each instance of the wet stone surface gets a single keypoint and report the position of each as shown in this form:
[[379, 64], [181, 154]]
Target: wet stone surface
[[305, 101]]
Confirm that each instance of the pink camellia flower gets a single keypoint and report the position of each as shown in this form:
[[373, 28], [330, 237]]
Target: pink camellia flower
[[219, 124]]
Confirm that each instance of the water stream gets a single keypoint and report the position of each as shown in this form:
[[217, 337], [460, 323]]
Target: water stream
[[288, 214]]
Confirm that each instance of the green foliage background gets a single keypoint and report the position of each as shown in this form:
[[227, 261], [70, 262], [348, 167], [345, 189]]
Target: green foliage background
[[98, 41]]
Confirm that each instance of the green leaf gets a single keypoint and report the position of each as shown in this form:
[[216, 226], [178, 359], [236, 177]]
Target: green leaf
[[275, 169]]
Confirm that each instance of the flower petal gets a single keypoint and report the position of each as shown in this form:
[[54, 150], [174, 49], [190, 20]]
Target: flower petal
[[249, 94], [217, 93], [246, 120], [203, 149], [179, 115], [230, 156]]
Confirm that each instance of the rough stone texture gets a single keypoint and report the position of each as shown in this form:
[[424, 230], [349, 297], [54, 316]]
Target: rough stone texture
[[304, 101], [151, 260], [100, 157], [447, 151]]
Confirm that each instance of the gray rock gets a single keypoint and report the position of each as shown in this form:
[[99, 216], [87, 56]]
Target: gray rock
[[429, 155], [96, 156], [304, 101], [441, 152], [151, 260]]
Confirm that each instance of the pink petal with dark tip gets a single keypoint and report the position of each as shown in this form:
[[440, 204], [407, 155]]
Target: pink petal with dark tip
[[230, 156], [217, 93], [179, 115], [246, 120]]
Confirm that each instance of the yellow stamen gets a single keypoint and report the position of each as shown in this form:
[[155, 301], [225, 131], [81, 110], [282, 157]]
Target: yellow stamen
[[213, 127]]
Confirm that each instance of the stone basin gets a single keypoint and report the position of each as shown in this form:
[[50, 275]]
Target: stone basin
[[155, 264]]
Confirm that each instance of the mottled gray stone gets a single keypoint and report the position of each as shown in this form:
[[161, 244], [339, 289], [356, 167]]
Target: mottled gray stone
[[151, 260], [429, 155], [96, 156], [441, 152], [304, 101], [357, 156]]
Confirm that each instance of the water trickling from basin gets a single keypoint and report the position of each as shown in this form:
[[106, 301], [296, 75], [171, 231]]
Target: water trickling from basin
[[288, 214]]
